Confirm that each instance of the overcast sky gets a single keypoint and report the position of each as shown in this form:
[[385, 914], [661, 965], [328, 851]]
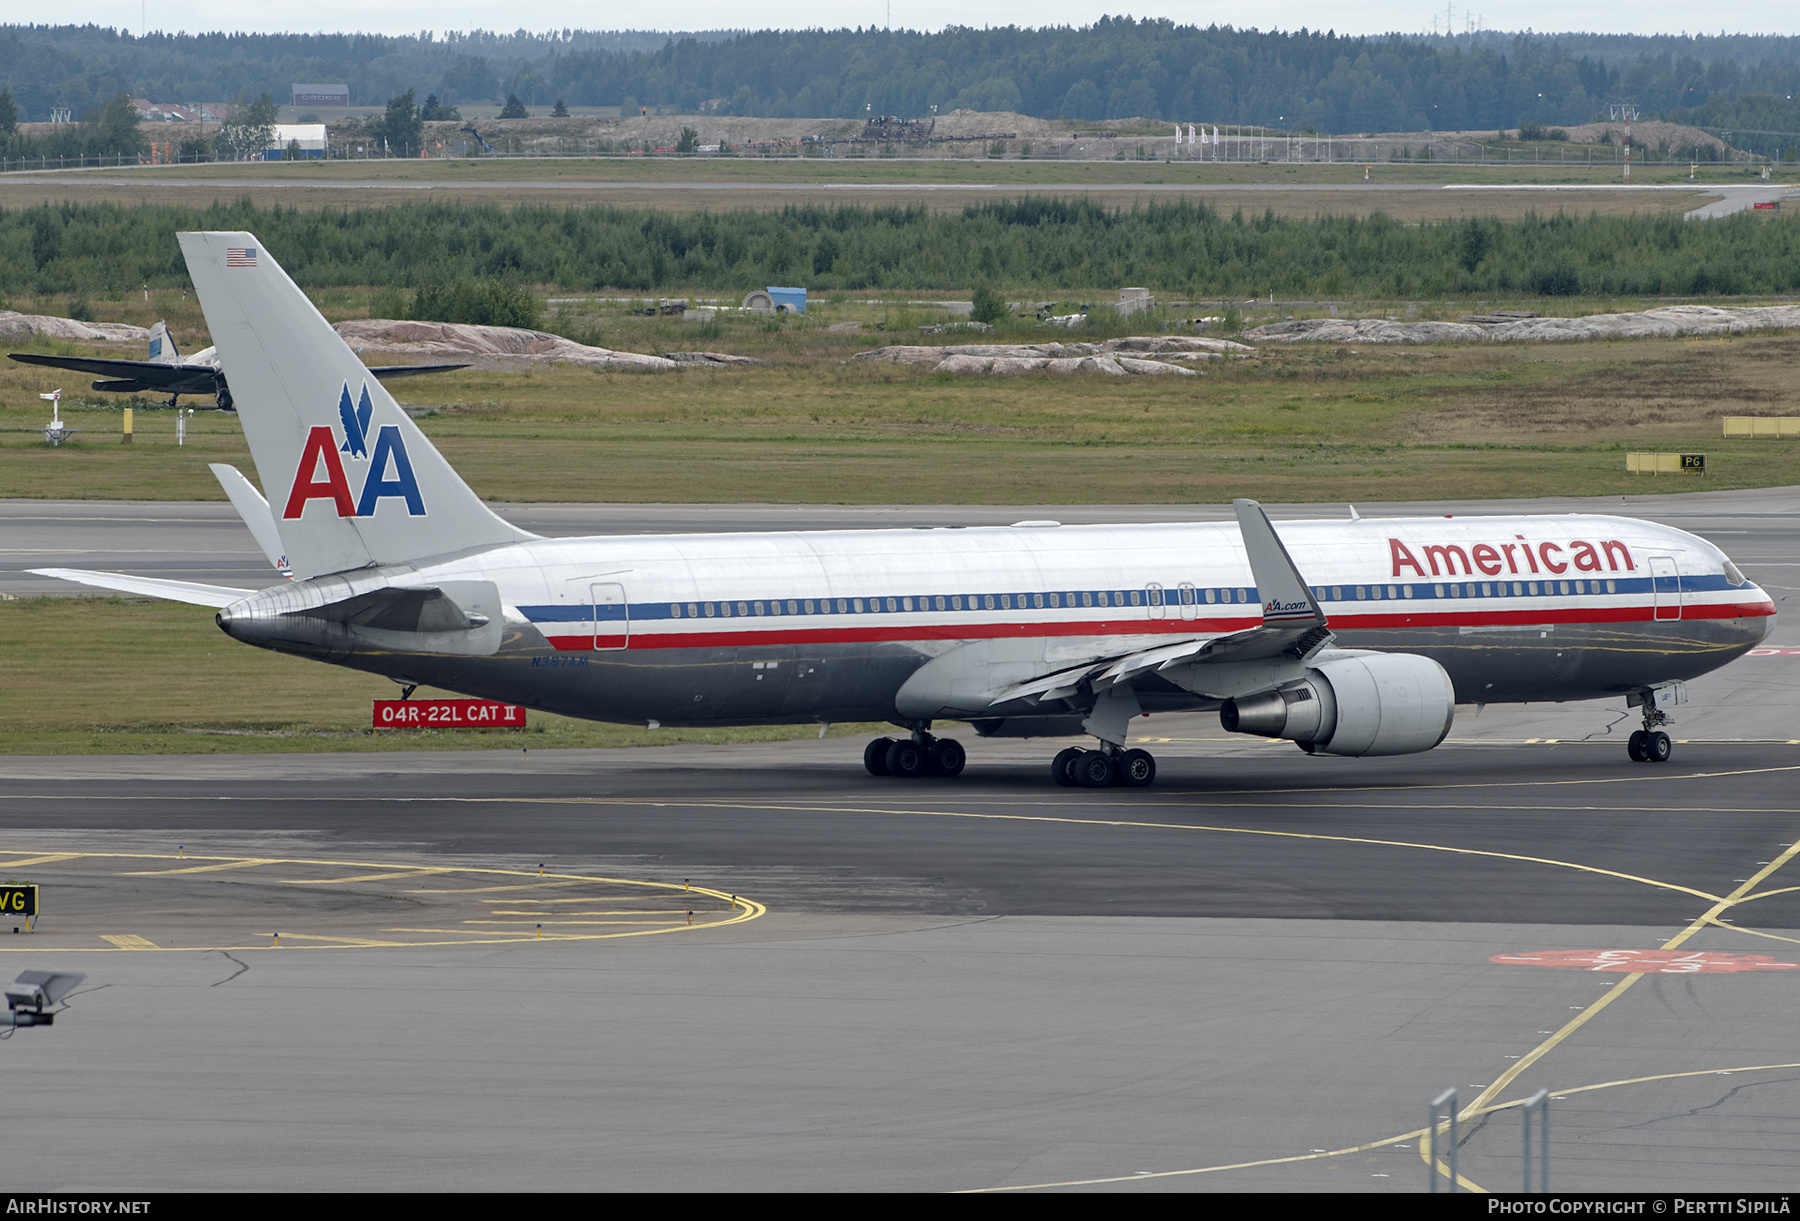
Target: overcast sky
[[1370, 17]]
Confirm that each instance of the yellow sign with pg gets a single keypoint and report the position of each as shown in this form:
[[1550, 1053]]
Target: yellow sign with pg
[[18, 900]]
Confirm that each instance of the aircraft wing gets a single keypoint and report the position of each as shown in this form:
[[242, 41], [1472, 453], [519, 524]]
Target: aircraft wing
[[147, 374], [1221, 664], [191, 592], [388, 373]]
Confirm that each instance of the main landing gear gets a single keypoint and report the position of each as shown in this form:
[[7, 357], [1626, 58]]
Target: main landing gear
[[1650, 744], [924, 755], [919, 755], [1097, 769]]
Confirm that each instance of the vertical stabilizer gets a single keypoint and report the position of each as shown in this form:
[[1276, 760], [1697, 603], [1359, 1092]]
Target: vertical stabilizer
[[351, 481], [162, 346]]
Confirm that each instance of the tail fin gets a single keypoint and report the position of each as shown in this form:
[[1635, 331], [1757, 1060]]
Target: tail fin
[[352, 481], [162, 346]]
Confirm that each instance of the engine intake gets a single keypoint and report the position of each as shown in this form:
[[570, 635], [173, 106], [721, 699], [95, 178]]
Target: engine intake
[[1354, 704]]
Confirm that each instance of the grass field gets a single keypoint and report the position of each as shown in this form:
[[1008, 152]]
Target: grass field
[[1300, 423]]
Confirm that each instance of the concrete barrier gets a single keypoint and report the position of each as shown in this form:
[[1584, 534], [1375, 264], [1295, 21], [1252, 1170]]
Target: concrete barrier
[[1672, 464], [1762, 425]]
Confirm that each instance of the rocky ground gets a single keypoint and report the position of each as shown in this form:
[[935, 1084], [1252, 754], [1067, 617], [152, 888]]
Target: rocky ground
[[1665, 322], [23, 328], [1141, 355]]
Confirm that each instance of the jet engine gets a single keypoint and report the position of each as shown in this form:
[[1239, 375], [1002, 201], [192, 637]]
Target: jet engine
[[1354, 704]]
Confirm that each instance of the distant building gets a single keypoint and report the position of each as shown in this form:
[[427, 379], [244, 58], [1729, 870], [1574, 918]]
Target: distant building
[[311, 137], [321, 95]]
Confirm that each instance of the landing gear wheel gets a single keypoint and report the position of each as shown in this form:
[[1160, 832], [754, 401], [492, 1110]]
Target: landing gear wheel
[[1062, 768], [947, 757], [1093, 770], [1136, 769], [875, 756], [1658, 748], [1636, 744], [907, 760]]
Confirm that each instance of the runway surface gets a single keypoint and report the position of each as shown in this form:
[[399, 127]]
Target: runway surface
[[1254, 976]]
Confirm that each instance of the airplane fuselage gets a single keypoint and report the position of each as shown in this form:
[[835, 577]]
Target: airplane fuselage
[[739, 629]]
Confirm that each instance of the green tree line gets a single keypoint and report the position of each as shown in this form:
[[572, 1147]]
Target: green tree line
[[1117, 67], [1025, 246]]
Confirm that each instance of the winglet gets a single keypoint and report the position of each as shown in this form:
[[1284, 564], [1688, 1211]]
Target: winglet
[[1286, 600]]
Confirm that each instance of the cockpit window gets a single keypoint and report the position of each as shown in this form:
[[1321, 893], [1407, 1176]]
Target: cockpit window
[[1732, 575]]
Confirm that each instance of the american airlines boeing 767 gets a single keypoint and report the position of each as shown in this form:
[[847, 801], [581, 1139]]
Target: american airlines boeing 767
[[1350, 637]]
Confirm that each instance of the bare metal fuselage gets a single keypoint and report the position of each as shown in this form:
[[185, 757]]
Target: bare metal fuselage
[[832, 626]]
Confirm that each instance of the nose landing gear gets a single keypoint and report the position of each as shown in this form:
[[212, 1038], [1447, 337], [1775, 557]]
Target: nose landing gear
[[1650, 744]]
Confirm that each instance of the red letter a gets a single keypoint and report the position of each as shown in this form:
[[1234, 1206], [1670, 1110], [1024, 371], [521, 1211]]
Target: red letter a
[[320, 444]]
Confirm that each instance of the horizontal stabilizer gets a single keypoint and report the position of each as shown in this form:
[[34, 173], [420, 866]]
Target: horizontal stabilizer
[[255, 511], [191, 592]]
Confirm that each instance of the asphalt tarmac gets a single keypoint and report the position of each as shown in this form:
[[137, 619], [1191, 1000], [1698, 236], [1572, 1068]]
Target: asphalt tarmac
[[474, 970]]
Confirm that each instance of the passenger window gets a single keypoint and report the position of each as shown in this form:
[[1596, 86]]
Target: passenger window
[[1487, 591], [709, 610], [1361, 591], [1005, 601], [692, 610], [1037, 600], [674, 610], [1337, 593], [857, 603], [1209, 595], [1135, 598], [743, 609], [988, 601], [759, 607], [1374, 592], [1055, 599], [1533, 588], [1563, 588], [956, 602], [1406, 589], [1437, 591], [1612, 587]]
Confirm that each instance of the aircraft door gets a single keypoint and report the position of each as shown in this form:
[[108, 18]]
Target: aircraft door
[[1665, 583], [1190, 605], [612, 616]]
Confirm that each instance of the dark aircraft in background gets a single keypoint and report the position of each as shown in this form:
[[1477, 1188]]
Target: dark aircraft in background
[[164, 372]]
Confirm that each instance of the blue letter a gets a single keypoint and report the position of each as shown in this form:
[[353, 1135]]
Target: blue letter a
[[378, 485]]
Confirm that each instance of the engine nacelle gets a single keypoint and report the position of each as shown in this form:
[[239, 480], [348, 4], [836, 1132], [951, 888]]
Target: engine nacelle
[[1354, 704]]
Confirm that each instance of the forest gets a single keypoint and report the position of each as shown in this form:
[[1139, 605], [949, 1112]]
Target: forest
[[1029, 246], [1117, 68]]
